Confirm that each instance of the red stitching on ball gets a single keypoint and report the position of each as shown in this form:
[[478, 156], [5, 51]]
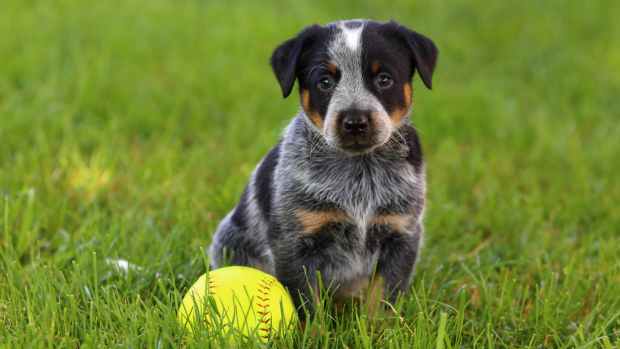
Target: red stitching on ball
[[211, 285], [264, 318]]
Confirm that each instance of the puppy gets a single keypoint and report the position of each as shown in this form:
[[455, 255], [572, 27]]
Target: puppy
[[341, 196]]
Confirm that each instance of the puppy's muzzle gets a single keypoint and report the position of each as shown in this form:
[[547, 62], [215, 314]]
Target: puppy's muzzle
[[355, 129]]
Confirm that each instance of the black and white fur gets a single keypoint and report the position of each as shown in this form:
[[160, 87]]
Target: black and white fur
[[343, 192]]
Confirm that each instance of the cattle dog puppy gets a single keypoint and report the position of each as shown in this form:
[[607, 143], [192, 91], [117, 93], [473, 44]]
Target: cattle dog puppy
[[340, 198]]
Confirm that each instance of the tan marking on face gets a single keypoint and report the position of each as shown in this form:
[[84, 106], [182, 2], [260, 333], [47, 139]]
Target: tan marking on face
[[374, 67], [407, 91], [332, 68], [397, 222], [312, 221], [314, 116], [305, 99], [399, 113]]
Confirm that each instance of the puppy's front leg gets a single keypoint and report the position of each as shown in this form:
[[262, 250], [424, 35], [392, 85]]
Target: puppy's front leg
[[297, 269], [397, 258], [312, 242]]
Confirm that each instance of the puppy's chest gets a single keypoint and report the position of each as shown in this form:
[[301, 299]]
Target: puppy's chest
[[353, 247], [361, 188], [345, 212], [358, 209]]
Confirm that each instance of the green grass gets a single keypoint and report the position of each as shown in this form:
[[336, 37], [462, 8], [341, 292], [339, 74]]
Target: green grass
[[128, 129]]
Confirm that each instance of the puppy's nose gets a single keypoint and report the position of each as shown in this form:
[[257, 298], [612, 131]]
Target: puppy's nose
[[355, 122]]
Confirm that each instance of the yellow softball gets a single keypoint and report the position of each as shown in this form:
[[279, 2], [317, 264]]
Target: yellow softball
[[238, 299]]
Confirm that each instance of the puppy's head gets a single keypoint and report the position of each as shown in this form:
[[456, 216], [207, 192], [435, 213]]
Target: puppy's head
[[355, 78]]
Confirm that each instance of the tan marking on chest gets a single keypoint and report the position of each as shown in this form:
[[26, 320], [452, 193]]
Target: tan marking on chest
[[397, 222], [312, 221]]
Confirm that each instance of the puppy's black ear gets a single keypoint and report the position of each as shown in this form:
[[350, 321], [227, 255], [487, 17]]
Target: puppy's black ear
[[285, 59], [423, 49]]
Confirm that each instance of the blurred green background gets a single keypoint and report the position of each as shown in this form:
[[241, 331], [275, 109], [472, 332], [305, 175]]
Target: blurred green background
[[129, 128]]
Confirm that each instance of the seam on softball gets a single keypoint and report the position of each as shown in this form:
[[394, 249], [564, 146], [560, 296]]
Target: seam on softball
[[264, 319]]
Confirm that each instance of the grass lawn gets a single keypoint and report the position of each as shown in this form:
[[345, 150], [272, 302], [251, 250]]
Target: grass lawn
[[129, 128]]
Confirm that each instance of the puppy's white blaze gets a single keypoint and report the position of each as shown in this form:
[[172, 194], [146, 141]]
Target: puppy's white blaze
[[352, 37]]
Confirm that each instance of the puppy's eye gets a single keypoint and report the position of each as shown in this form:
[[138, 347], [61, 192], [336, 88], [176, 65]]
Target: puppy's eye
[[326, 83], [383, 81]]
